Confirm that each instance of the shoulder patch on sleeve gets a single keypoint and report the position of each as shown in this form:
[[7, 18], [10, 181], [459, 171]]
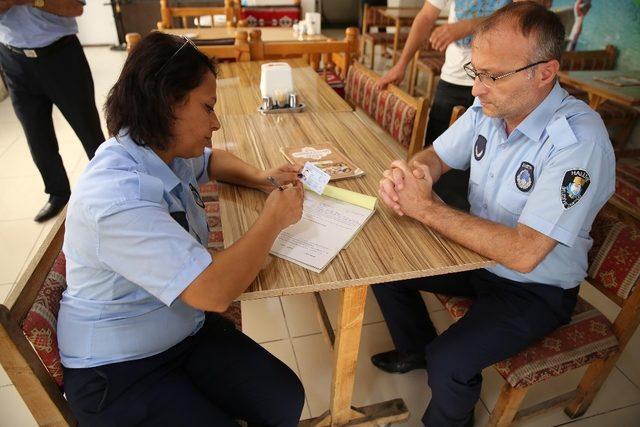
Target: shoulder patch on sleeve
[[151, 188], [561, 134], [574, 184]]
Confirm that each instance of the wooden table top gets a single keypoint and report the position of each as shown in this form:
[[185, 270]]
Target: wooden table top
[[388, 248], [269, 34], [239, 88], [627, 95]]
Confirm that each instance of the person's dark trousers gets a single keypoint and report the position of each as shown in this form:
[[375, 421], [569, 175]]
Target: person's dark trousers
[[505, 318], [453, 186], [213, 378], [61, 77]]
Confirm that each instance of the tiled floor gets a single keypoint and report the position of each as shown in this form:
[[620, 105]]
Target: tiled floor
[[286, 326]]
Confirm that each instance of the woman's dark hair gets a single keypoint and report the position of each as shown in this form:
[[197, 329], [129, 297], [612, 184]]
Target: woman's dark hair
[[154, 78]]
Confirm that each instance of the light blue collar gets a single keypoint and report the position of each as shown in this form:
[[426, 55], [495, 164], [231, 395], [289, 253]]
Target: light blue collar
[[536, 122], [154, 165]]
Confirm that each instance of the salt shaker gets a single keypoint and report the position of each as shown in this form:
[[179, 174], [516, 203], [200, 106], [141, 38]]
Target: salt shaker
[[266, 103], [293, 100]]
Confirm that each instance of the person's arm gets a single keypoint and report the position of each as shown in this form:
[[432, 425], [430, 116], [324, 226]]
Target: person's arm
[[446, 34], [521, 248], [580, 10], [418, 35], [224, 166], [68, 8], [236, 267]]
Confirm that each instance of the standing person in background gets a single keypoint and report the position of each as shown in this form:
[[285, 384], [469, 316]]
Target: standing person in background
[[454, 87], [44, 64], [580, 10]]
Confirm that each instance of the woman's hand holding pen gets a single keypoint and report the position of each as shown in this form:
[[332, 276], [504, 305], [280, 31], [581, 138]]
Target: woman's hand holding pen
[[285, 206], [280, 176]]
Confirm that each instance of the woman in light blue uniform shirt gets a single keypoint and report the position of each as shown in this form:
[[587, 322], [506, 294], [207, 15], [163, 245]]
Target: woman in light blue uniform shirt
[[140, 340]]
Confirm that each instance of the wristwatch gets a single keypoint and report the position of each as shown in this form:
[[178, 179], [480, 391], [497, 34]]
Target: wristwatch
[[38, 3]]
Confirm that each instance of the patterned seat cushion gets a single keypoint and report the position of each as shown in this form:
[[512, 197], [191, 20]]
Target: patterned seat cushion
[[628, 182], [209, 193], [360, 89], [433, 62], [40, 324], [396, 117], [334, 80], [589, 336], [392, 113], [614, 259]]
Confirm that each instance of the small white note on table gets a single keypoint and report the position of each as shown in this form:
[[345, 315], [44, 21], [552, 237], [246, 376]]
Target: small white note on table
[[327, 225]]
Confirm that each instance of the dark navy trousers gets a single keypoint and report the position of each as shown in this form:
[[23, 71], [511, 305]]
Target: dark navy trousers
[[505, 318], [212, 378], [61, 77]]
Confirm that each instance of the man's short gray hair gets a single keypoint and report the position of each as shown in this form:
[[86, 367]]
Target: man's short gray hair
[[532, 20]]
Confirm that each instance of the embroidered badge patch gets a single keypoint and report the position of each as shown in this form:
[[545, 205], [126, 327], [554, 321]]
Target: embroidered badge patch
[[479, 148], [196, 196], [574, 185], [524, 177]]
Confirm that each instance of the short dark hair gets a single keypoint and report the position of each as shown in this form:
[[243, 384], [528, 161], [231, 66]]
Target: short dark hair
[[154, 78], [532, 20]]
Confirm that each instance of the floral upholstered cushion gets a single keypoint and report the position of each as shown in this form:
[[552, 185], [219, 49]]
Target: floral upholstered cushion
[[628, 181], [433, 62], [40, 324], [360, 90], [587, 337], [614, 259], [209, 191], [396, 117], [216, 239]]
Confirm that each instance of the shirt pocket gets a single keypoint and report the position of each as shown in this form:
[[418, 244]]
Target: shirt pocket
[[475, 191], [511, 202]]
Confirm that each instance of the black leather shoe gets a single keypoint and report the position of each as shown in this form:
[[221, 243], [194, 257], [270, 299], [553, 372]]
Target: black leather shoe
[[397, 362], [51, 208]]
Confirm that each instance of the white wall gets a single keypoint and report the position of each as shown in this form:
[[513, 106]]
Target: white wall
[[307, 6], [96, 26]]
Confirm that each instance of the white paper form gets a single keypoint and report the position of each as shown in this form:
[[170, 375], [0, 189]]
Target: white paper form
[[326, 226]]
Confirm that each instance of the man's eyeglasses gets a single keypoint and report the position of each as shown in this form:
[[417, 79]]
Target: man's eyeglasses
[[489, 80], [187, 41]]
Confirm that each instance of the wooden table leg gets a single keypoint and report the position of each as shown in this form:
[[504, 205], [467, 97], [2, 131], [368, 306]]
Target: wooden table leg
[[595, 100], [350, 317], [345, 356]]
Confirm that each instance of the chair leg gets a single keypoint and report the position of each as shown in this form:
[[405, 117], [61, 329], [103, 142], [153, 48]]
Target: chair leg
[[413, 77], [589, 386], [507, 406], [373, 54], [431, 82]]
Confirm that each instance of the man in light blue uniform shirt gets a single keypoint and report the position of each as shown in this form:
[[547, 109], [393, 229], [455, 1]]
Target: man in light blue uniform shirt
[[130, 188], [541, 167], [44, 65]]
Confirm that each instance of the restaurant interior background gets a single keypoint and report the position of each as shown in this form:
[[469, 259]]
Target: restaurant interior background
[[283, 325]]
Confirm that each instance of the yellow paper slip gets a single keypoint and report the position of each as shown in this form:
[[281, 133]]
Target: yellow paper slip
[[358, 199]]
